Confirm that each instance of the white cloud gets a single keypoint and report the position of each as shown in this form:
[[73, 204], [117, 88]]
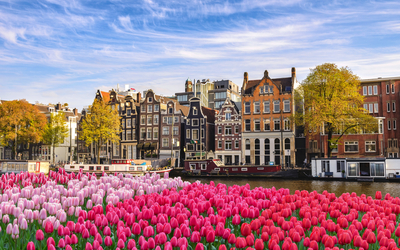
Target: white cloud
[[12, 34], [126, 22]]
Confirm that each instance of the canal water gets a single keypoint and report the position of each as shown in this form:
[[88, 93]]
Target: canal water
[[337, 187]]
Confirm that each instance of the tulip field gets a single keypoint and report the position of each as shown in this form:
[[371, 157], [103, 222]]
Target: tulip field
[[82, 211]]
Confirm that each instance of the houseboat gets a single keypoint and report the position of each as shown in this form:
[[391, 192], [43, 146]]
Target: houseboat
[[360, 169], [31, 166], [217, 167], [135, 167]]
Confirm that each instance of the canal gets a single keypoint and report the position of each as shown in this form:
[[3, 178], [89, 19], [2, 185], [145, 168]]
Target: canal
[[337, 187]]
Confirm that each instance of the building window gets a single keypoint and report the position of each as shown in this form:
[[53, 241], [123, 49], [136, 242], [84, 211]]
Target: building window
[[387, 89], [142, 120], [267, 125], [165, 130], [375, 89], [150, 99], [128, 112], [247, 144], [389, 125], [286, 106], [247, 107], [195, 134], [366, 108], [228, 116], [170, 110], [142, 133], [369, 90], [155, 120], [266, 107], [228, 145], [143, 109], [262, 90], [228, 130], [375, 107], [364, 90], [277, 125], [169, 120], [236, 129], [176, 119], [287, 125], [394, 125], [350, 146], [247, 124], [155, 133], [156, 108], [236, 144], [276, 107], [195, 122], [370, 146], [165, 142], [123, 123], [149, 133], [256, 107], [149, 119], [202, 133], [202, 120], [188, 133], [256, 125], [149, 108], [393, 107], [388, 107], [188, 122], [176, 130], [219, 144], [287, 143], [392, 88], [219, 129], [128, 135], [371, 108]]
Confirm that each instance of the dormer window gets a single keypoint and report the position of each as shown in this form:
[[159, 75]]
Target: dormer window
[[194, 111], [150, 99]]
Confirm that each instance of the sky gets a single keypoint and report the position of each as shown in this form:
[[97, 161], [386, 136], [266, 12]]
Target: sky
[[64, 50]]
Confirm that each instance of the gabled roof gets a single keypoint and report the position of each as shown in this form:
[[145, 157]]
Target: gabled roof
[[210, 113]]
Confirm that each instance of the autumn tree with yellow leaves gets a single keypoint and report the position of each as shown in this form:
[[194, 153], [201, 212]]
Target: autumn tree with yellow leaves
[[56, 131], [331, 102], [101, 124], [20, 123]]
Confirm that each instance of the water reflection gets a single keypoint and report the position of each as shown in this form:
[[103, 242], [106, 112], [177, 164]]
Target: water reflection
[[337, 187]]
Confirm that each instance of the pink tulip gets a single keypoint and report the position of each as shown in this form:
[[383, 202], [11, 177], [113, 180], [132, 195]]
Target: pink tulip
[[30, 246]]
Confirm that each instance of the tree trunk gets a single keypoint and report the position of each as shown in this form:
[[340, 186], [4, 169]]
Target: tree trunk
[[98, 151], [329, 141], [54, 152]]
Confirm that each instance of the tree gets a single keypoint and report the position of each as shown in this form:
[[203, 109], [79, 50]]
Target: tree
[[101, 124], [332, 102], [55, 131], [20, 122]]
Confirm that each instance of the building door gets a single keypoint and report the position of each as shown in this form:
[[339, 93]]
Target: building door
[[277, 151], [287, 161], [228, 159], [257, 151], [236, 160]]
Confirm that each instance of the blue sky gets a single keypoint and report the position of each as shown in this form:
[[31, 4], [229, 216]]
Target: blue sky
[[64, 50]]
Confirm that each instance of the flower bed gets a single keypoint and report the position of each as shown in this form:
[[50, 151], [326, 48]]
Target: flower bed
[[125, 212]]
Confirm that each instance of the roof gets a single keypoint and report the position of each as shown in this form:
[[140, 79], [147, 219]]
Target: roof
[[210, 113], [183, 109], [105, 96], [252, 84], [380, 79]]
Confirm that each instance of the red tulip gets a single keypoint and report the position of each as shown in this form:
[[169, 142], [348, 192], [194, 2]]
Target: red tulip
[[50, 241], [210, 236], [131, 244], [199, 246], [96, 244], [61, 243], [107, 241], [371, 239], [222, 247], [232, 239], [245, 229], [85, 234], [88, 246], [151, 243], [259, 244], [314, 245], [30, 246], [60, 230], [240, 242], [195, 237], [74, 239], [121, 244], [39, 235], [378, 195], [48, 228]]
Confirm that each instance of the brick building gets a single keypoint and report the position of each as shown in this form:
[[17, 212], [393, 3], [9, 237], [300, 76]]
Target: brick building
[[381, 100], [268, 134], [228, 133]]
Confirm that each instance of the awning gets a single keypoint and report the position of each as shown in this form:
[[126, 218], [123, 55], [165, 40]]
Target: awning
[[147, 145], [198, 153], [140, 146], [153, 145]]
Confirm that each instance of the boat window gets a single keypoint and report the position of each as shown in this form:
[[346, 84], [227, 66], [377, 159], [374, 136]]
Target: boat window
[[244, 169], [98, 168], [216, 169], [132, 168], [82, 167], [260, 168], [91, 168], [71, 166], [139, 168], [234, 169], [192, 166], [203, 166], [106, 168]]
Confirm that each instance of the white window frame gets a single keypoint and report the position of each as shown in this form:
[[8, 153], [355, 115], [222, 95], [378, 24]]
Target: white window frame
[[393, 90], [369, 90], [148, 132], [228, 145], [219, 130], [228, 116], [156, 107], [387, 89], [267, 108], [247, 104], [277, 104], [149, 108], [394, 125], [259, 125], [155, 133], [219, 144], [375, 89], [388, 107], [371, 108], [393, 106], [203, 166], [188, 133], [228, 130], [286, 125], [165, 142], [370, 143], [389, 125], [366, 107], [286, 103], [348, 143], [256, 110], [265, 122], [198, 136], [364, 90], [237, 144], [155, 119], [376, 107]]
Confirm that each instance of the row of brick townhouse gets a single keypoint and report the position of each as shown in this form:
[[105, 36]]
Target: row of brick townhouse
[[381, 100]]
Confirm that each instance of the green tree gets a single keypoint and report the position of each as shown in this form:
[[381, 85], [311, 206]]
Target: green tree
[[101, 124], [56, 131], [331, 101], [20, 122]]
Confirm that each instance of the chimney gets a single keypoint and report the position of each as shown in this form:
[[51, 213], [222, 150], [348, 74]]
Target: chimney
[[75, 111], [266, 74], [58, 106], [293, 76], [245, 80]]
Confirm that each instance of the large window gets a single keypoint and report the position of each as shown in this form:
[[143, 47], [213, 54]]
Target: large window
[[228, 145], [247, 144], [247, 107], [143, 109], [149, 108], [176, 130], [266, 107], [195, 122], [236, 144], [350, 146], [149, 133], [247, 124], [370, 146], [142, 120], [228, 116], [182, 98], [375, 89], [128, 135], [149, 119], [364, 90], [228, 130], [277, 125], [128, 123], [195, 134], [276, 107], [325, 166], [287, 125], [376, 107], [287, 143], [165, 131], [256, 125], [220, 95], [219, 129], [156, 107], [155, 133], [155, 119], [142, 133], [340, 166], [277, 151], [286, 107], [266, 151], [267, 125], [256, 107], [369, 90], [165, 142]]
